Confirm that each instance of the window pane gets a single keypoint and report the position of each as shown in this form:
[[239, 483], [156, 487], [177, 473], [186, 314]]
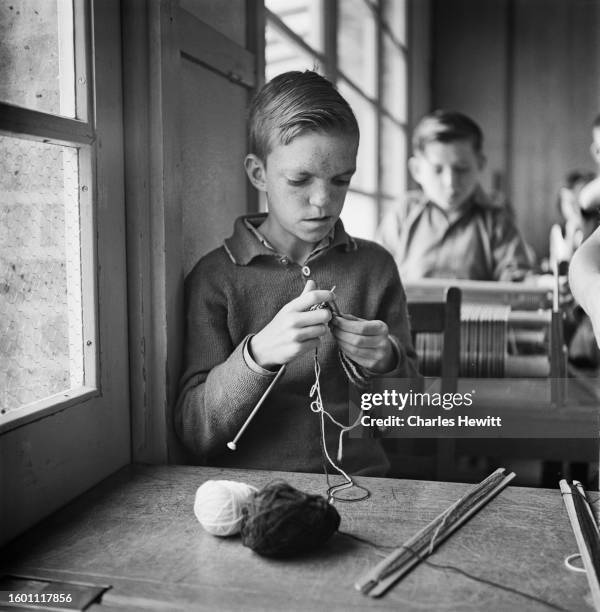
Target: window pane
[[281, 54], [41, 341], [37, 67], [393, 160], [360, 215], [394, 80], [304, 17], [365, 178], [357, 44], [394, 14]]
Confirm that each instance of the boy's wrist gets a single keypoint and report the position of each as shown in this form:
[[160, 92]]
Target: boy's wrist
[[252, 363], [388, 363], [257, 354]]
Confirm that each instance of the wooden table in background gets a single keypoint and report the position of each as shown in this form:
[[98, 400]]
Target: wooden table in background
[[137, 532]]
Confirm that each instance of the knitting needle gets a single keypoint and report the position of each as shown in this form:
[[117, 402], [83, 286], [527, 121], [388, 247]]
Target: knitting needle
[[233, 444], [567, 495], [379, 579]]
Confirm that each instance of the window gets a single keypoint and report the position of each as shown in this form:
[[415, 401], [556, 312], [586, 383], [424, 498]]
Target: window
[[64, 418], [47, 335], [361, 46]]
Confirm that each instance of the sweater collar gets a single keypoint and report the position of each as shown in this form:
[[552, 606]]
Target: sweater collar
[[244, 245]]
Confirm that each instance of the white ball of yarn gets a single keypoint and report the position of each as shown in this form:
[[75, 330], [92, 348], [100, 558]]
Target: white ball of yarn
[[218, 505]]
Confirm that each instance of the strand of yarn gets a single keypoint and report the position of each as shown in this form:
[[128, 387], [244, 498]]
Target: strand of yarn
[[218, 505], [281, 521], [317, 406]]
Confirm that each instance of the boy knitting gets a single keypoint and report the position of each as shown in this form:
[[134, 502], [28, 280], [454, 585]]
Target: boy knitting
[[451, 228], [249, 301]]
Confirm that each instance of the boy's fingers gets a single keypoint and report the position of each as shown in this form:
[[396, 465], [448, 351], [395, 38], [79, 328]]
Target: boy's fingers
[[311, 285], [356, 340], [360, 326], [311, 332], [313, 317], [349, 317], [311, 298]]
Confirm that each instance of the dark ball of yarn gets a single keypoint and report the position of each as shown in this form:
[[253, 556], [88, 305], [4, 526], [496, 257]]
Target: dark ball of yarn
[[281, 521]]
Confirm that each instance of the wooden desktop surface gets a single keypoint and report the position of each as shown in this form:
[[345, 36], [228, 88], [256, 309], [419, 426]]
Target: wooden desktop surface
[[137, 532]]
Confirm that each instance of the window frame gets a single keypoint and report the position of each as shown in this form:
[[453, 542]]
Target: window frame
[[50, 456], [329, 60], [79, 133]]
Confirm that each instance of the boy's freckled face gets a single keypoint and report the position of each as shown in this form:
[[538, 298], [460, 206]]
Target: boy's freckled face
[[448, 172], [306, 182]]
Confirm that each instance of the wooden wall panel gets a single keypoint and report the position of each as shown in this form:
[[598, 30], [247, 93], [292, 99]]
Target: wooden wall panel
[[213, 146], [469, 71], [187, 82], [556, 83], [419, 75], [228, 18], [529, 72]]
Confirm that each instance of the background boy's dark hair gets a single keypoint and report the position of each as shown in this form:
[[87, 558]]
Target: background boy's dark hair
[[293, 103], [446, 126], [596, 122]]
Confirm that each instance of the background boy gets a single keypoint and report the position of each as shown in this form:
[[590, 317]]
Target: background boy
[[452, 229], [589, 197], [248, 301]]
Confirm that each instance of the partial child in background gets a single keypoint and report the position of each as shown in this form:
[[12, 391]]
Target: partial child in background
[[584, 279], [589, 198], [451, 228], [566, 238], [249, 302]]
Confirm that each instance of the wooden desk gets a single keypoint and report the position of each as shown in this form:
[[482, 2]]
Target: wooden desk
[[137, 532]]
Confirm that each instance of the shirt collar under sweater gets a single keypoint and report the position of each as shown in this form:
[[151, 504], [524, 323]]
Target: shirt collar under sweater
[[417, 202], [245, 244]]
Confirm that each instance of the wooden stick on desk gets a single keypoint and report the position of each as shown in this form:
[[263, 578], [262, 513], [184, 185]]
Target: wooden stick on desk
[[378, 580], [585, 547]]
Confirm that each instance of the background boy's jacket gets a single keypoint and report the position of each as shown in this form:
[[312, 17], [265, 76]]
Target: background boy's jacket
[[482, 243]]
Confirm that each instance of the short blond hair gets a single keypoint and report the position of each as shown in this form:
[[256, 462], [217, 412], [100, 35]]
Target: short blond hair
[[293, 103]]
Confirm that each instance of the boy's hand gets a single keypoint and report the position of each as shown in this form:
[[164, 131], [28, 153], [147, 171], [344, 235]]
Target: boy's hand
[[294, 330], [367, 343]]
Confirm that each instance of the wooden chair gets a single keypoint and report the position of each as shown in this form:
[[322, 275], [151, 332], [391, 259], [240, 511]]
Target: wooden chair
[[432, 317]]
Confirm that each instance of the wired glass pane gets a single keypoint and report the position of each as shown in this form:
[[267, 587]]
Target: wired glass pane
[[41, 336], [37, 61]]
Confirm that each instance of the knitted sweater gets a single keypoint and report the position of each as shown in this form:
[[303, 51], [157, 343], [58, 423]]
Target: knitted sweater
[[233, 292]]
